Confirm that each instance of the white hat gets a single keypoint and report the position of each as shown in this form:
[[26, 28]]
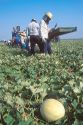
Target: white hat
[[49, 15]]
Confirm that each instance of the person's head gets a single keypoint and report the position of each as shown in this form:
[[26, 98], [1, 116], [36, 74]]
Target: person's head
[[33, 20], [47, 17]]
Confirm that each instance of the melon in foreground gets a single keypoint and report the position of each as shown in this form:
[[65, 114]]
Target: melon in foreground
[[52, 110]]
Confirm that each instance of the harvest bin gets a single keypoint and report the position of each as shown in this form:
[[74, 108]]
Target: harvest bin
[[60, 31]]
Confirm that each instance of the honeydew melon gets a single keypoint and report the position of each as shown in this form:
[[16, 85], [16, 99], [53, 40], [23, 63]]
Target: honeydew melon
[[52, 110]]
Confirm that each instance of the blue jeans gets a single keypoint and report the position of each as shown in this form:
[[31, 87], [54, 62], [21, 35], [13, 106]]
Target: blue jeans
[[47, 47]]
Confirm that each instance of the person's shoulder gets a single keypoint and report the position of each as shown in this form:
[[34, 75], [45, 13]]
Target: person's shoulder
[[35, 23], [42, 21]]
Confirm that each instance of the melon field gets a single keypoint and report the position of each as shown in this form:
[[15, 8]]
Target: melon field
[[26, 81]]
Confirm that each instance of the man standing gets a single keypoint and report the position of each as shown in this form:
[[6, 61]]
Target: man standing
[[44, 32], [33, 32]]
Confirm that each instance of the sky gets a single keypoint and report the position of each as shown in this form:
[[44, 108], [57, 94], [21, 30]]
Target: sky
[[66, 13]]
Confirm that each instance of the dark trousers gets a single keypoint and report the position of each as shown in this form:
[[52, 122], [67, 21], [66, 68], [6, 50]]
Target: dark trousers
[[47, 47], [35, 40]]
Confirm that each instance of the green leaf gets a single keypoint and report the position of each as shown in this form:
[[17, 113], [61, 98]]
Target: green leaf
[[74, 103], [76, 122], [19, 101], [9, 120], [29, 122]]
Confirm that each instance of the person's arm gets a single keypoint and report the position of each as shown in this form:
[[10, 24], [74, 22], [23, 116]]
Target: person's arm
[[41, 29]]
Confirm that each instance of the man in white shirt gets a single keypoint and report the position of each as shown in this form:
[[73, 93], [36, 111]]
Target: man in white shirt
[[33, 32], [44, 32]]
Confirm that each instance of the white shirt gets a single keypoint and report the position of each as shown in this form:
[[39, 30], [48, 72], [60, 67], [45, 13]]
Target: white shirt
[[33, 29], [43, 29]]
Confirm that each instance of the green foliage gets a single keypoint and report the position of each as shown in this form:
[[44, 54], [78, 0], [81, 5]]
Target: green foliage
[[26, 80]]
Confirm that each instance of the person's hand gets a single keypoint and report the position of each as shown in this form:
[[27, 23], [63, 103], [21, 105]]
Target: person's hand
[[44, 39]]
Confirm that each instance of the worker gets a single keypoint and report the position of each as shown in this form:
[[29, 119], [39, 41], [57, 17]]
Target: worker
[[22, 39], [13, 36], [33, 32], [44, 32], [18, 40]]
